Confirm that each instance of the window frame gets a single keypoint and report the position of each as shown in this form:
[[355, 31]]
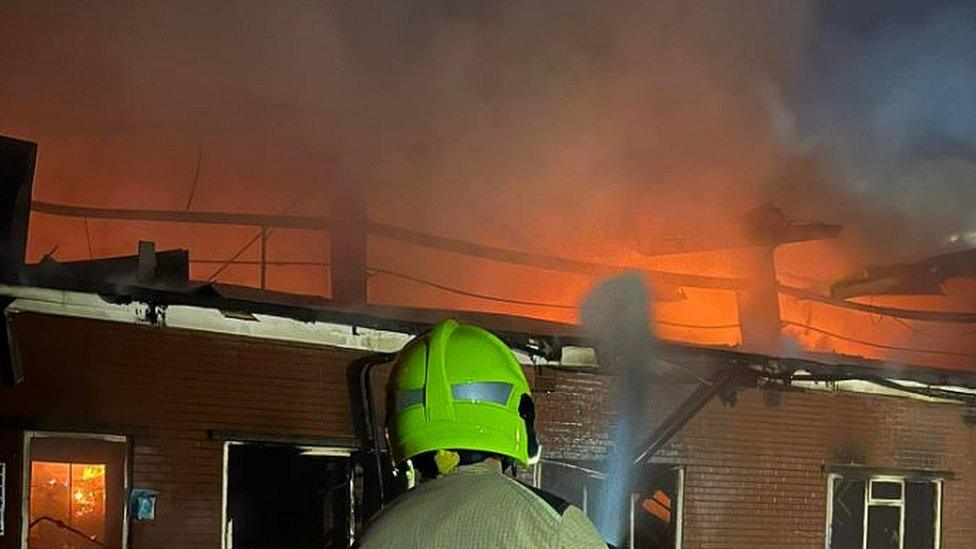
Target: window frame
[[678, 511], [3, 497], [870, 501], [537, 472], [326, 450], [26, 475]]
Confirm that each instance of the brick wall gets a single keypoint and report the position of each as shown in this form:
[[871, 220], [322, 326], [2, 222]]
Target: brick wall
[[754, 474], [171, 386]]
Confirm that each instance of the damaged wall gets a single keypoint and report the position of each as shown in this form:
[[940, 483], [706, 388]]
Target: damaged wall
[[169, 387], [754, 473]]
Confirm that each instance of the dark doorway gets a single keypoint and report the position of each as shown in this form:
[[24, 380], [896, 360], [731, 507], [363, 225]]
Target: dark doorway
[[287, 497]]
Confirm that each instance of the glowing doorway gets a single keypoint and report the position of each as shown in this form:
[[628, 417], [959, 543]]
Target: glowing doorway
[[76, 491]]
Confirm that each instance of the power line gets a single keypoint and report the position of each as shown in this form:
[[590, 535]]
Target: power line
[[88, 240], [234, 258], [800, 277], [471, 249], [911, 328], [314, 223], [476, 295], [875, 345], [466, 293], [956, 317], [196, 179], [544, 262], [258, 262], [262, 231], [697, 326]]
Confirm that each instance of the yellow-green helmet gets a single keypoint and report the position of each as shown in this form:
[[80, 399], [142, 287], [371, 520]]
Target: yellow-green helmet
[[458, 387]]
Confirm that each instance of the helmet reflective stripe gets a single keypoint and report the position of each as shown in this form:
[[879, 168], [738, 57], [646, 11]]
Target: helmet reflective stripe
[[478, 391], [408, 397], [483, 391]]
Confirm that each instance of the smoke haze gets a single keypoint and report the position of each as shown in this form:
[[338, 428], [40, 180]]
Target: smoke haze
[[496, 114], [500, 113], [605, 131], [886, 123]]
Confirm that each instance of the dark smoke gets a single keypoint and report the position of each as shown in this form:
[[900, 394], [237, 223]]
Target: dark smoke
[[520, 123], [560, 127], [885, 127]]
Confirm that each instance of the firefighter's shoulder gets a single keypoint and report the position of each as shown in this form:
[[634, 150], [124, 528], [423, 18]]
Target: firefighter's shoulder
[[551, 504], [556, 503], [576, 531], [573, 528]]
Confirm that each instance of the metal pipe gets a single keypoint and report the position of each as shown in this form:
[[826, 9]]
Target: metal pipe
[[357, 377], [264, 257], [684, 412]]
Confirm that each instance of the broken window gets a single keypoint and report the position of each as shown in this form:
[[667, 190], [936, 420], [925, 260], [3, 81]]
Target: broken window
[[578, 482], [883, 512], [655, 503], [655, 516]]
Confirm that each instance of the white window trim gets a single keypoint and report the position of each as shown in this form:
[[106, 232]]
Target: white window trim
[[938, 514], [679, 525], [828, 526], [226, 537], [223, 495], [3, 496], [869, 501], [26, 477]]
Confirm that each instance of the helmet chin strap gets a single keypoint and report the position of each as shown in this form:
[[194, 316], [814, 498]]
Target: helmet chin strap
[[527, 413], [446, 460]]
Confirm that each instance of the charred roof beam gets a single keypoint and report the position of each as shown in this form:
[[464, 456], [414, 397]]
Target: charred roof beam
[[925, 277]]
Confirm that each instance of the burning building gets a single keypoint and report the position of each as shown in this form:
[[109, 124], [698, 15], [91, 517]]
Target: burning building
[[230, 221], [147, 408]]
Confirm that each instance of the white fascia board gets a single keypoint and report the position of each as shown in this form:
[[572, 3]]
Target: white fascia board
[[91, 306], [866, 387], [65, 303], [86, 305]]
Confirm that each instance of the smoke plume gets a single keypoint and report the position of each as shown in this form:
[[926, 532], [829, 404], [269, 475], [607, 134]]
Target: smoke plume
[[521, 123], [606, 131], [883, 126], [614, 316]]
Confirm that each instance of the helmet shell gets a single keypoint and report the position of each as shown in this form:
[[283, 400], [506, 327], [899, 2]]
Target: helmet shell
[[457, 387]]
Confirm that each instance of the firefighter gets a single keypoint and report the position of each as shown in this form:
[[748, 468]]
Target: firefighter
[[460, 411]]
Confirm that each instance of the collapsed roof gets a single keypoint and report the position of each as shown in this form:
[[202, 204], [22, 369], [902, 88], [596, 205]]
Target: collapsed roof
[[347, 264]]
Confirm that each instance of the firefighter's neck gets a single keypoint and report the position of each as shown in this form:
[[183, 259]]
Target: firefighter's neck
[[494, 464]]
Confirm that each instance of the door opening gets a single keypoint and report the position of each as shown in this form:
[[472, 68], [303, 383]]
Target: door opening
[[283, 497], [75, 486]]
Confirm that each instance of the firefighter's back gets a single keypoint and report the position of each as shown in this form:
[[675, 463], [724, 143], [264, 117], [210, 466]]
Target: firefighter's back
[[478, 507]]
